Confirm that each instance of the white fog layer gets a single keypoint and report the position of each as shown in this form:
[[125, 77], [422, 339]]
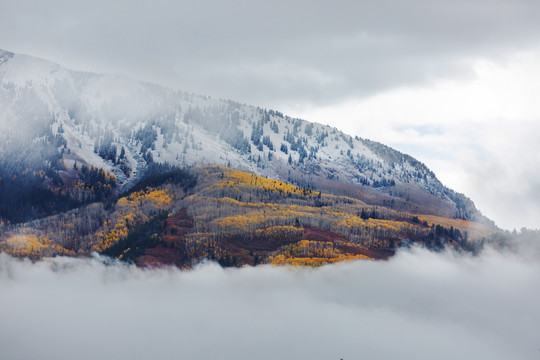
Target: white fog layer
[[418, 305]]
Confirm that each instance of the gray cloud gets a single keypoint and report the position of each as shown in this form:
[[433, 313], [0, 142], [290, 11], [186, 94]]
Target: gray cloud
[[417, 305], [272, 53]]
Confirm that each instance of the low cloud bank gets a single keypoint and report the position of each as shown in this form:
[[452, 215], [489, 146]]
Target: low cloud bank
[[418, 305]]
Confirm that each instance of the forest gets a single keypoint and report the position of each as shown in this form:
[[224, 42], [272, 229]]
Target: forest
[[180, 217]]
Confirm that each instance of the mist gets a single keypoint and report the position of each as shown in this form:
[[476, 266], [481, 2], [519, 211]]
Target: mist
[[418, 305], [273, 54]]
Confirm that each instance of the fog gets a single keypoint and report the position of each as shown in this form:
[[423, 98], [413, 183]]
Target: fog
[[418, 305], [273, 54]]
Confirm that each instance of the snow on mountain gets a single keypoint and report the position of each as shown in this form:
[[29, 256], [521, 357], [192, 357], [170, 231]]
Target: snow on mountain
[[121, 125]]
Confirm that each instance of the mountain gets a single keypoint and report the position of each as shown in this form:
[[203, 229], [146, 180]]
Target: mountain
[[92, 117], [70, 138], [183, 216]]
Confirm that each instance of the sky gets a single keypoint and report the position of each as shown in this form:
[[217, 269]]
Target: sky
[[418, 305], [453, 83]]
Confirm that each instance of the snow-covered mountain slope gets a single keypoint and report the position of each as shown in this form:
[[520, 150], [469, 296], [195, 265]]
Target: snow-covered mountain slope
[[121, 125]]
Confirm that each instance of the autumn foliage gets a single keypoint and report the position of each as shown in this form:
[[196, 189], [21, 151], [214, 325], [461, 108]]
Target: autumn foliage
[[232, 217]]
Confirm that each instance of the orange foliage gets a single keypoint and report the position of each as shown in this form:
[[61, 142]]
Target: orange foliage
[[475, 230]]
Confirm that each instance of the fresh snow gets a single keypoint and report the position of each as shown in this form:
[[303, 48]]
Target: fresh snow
[[89, 105]]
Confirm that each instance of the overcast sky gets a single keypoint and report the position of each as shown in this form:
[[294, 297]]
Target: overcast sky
[[453, 83]]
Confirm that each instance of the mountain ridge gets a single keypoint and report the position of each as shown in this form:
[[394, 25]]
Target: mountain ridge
[[122, 125]]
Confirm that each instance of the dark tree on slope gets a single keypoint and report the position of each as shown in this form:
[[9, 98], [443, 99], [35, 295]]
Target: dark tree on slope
[[268, 142], [274, 127], [147, 137], [256, 132], [309, 129], [235, 137]]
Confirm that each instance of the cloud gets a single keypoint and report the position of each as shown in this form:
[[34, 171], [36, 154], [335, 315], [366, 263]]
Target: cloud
[[296, 52], [417, 305], [478, 135]]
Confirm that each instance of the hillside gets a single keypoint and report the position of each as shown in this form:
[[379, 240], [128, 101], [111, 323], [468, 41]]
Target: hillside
[[180, 217], [54, 120]]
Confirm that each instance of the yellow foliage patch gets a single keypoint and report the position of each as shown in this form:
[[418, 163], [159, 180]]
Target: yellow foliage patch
[[30, 245], [311, 253], [313, 261], [236, 179], [131, 211]]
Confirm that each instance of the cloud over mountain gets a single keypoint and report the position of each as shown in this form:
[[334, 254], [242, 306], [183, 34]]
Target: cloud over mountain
[[281, 52], [417, 305]]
